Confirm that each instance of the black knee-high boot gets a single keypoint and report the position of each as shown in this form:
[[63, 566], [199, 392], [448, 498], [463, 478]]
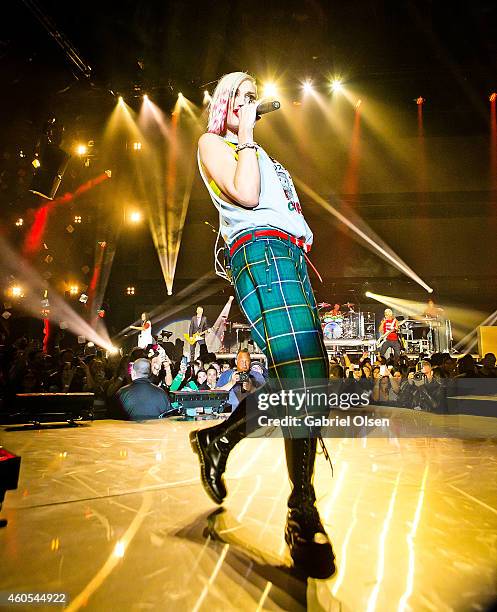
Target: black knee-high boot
[[213, 445], [310, 547]]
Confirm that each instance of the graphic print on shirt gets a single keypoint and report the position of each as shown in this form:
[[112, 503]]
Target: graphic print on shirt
[[288, 188]]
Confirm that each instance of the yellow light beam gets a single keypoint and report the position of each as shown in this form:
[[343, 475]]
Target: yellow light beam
[[365, 233]]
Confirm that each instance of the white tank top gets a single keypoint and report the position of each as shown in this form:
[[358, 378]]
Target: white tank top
[[145, 336], [278, 207]]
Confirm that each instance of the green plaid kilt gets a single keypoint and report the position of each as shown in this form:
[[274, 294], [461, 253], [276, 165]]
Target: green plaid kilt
[[274, 292]]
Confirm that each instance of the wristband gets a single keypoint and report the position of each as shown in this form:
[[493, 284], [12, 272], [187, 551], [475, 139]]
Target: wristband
[[246, 145]]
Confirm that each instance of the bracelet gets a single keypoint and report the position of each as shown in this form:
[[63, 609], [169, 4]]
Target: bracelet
[[247, 145]]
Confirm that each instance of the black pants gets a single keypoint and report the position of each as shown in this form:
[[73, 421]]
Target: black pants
[[203, 350], [394, 345]]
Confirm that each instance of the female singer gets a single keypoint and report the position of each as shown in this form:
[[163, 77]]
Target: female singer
[[145, 335], [267, 237]]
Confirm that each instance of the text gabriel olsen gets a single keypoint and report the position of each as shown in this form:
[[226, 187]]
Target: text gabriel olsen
[[322, 421]]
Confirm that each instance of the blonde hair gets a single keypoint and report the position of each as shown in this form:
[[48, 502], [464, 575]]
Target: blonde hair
[[222, 99]]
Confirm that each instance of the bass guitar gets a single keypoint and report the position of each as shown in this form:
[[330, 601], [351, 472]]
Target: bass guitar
[[383, 337]]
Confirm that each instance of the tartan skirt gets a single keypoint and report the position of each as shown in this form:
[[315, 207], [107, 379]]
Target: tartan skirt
[[274, 292]]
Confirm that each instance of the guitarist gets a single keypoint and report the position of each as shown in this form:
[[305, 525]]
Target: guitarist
[[198, 324], [389, 329]]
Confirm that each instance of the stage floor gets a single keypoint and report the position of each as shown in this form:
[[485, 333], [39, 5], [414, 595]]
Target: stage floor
[[114, 515]]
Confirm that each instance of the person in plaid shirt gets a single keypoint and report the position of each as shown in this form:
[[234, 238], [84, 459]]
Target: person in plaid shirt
[[267, 237]]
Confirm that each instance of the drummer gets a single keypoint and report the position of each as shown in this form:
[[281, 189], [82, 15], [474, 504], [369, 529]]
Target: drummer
[[336, 312]]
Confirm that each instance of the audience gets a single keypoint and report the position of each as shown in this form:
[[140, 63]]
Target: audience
[[487, 369], [240, 380], [139, 384], [210, 382], [141, 399]]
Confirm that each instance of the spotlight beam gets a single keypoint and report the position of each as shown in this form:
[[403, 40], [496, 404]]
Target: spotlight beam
[[374, 242], [59, 309], [462, 319], [34, 238], [167, 215], [471, 338]]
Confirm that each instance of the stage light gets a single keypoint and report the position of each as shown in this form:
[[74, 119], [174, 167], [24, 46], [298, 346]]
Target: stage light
[[135, 216], [108, 173], [77, 219], [130, 291], [336, 85], [81, 149], [358, 103], [307, 87], [36, 163], [269, 90], [145, 97], [52, 161], [16, 291], [492, 97], [137, 146], [113, 350], [420, 101], [368, 294], [120, 100], [83, 298], [20, 222], [207, 97], [73, 289]]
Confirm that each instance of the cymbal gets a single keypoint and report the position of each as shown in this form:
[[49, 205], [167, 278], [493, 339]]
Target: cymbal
[[349, 304], [323, 305]]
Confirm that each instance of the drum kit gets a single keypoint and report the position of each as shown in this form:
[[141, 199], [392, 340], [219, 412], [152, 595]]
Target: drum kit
[[341, 326]]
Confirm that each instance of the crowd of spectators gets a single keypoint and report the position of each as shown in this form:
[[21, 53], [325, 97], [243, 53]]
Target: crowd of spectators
[[118, 385], [138, 384], [423, 383]]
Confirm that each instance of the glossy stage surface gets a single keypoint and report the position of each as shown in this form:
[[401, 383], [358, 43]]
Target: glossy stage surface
[[114, 515]]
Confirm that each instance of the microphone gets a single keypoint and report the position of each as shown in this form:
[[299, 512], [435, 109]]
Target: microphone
[[267, 107]]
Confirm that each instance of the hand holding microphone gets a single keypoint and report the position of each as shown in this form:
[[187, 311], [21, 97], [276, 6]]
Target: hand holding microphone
[[247, 117], [250, 112]]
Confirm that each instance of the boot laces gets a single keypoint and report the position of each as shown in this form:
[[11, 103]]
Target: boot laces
[[326, 454]]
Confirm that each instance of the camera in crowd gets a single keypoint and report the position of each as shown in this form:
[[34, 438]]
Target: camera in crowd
[[419, 378], [243, 376]]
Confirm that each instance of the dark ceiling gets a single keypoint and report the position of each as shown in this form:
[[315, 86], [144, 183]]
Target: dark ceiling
[[440, 48], [393, 51]]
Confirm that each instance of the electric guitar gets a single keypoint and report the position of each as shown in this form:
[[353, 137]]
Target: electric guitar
[[383, 337], [195, 338]]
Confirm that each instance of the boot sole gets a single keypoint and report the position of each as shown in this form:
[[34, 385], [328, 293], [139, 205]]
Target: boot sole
[[198, 451], [315, 560]]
